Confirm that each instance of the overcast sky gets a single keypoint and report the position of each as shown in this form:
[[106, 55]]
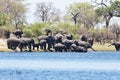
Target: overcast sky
[[59, 4]]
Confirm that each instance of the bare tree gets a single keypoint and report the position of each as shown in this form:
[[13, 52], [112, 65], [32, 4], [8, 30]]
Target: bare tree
[[75, 16], [46, 12]]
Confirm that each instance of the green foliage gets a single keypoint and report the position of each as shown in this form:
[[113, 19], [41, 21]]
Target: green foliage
[[86, 13], [2, 19], [36, 29], [113, 8]]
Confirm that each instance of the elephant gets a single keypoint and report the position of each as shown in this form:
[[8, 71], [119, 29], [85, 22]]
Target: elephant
[[50, 42], [60, 47], [117, 45], [67, 43], [58, 38], [13, 43], [75, 48], [69, 36], [83, 44], [36, 45], [18, 33], [81, 49], [46, 40], [43, 44], [90, 41], [48, 32], [84, 38], [26, 42], [21, 43]]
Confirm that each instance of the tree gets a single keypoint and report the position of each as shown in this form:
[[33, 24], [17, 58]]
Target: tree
[[46, 12], [2, 19], [108, 11], [82, 13], [14, 10]]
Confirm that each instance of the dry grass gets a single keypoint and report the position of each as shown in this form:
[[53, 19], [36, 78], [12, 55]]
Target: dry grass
[[3, 46], [104, 47], [96, 46]]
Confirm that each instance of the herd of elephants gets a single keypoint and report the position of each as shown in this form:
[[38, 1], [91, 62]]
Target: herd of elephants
[[57, 43]]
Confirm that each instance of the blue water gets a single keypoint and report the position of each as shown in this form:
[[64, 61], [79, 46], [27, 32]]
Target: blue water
[[59, 66]]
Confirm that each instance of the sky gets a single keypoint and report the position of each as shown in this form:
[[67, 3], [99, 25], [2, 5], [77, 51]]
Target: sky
[[59, 4]]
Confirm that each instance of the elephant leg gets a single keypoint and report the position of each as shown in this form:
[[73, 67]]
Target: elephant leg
[[37, 48], [60, 50], [41, 46], [55, 50], [49, 46], [21, 49], [29, 47], [33, 47], [116, 47], [44, 47]]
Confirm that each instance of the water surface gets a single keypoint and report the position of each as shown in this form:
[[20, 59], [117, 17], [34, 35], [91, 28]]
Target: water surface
[[59, 66]]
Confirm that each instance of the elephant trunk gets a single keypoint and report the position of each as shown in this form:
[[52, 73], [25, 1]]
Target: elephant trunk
[[93, 49], [109, 45]]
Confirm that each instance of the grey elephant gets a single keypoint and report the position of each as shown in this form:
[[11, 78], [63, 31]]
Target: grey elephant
[[58, 38], [36, 45], [90, 41], [26, 42], [60, 47], [21, 43], [87, 39], [46, 42], [69, 36], [68, 43], [13, 43], [48, 32], [43, 44], [75, 48], [50, 42], [84, 38], [18, 33], [117, 45], [84, 44]]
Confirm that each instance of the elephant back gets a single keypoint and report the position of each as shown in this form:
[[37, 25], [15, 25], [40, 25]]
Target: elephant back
[[12, 43], [43, 37], [81, 49], [82, 43]]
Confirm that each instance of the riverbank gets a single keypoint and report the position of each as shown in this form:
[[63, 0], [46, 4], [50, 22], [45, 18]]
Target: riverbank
[[96, 46], [3, 46]]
